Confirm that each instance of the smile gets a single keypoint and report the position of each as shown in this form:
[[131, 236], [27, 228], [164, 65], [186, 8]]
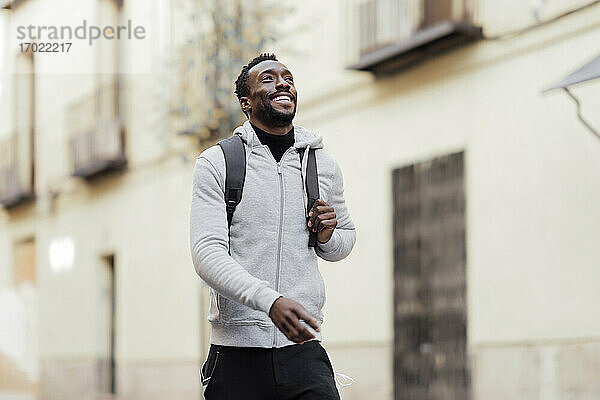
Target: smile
[[283, 99]]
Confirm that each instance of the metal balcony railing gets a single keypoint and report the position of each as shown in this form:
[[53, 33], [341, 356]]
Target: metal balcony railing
[[16, 170], [97, 137], [382, 30]]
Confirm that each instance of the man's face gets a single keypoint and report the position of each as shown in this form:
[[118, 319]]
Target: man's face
[[272, 97]]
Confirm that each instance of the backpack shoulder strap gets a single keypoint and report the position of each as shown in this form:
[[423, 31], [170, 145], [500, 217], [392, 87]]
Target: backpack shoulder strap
[[312, 187], [235, 167]]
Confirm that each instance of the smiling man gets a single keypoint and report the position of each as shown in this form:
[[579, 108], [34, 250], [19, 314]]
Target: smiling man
[[266, 291]]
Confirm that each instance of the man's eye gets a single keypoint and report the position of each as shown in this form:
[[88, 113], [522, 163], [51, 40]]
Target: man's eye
[[289, 79], [266, 78]]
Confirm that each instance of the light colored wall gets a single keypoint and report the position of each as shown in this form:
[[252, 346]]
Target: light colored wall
[[531, 185], [141, 216], [153, 282], [530, 191], [530, 173], [3, 75]]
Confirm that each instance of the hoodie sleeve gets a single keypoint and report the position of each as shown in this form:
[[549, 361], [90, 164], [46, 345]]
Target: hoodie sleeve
[[342, 240], [209, 242]]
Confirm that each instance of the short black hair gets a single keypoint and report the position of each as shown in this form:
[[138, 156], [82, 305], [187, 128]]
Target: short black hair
[[241, 83]]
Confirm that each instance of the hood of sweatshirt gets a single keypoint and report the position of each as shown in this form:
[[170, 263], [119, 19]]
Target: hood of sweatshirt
[[303, 139]]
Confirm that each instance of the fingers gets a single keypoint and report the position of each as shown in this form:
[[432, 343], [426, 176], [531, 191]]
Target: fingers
[[320, 212], [297, 331], [325, 221], [294, 330], [322, 221], [319, 202], [306, 317], [318, 207], [286, 315]]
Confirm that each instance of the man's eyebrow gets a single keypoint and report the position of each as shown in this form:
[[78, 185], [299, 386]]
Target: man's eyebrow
[[271, 70]]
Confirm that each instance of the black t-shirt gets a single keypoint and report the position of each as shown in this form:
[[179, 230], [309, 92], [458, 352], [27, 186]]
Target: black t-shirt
[[278, 144]]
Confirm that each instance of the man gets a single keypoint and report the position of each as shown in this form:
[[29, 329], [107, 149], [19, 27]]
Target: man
[[266, 292]]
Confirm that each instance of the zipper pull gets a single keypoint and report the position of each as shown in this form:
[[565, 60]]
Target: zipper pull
[[279, 168]]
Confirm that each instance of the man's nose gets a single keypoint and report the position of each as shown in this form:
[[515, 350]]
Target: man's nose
[[282, 84]]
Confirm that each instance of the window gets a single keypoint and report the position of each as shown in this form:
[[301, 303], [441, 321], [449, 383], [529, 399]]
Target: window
[[392, 34], [106, 325], [96, 126], [17, 172], [430, 314]]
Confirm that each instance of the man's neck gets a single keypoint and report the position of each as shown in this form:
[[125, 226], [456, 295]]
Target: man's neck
[[273, 130]]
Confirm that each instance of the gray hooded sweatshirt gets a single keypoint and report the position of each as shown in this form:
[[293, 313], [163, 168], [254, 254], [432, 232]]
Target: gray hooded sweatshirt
[[269, 250]]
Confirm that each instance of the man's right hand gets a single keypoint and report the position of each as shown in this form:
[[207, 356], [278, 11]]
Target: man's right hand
[[286, 314]]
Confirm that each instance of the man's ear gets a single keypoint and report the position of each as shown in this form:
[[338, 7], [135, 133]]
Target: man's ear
[[245, 104]]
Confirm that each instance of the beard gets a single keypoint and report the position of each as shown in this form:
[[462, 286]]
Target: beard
[[266, 112]]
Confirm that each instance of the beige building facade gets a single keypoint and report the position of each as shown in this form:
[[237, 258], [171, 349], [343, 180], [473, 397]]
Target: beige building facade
[[476, 263]]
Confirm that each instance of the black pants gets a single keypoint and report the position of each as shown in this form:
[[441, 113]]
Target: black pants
[[296, 372]]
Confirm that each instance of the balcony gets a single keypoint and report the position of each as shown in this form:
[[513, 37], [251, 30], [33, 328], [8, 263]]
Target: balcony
[[10, 4], [97, 136], [16, 171], [388, 36]]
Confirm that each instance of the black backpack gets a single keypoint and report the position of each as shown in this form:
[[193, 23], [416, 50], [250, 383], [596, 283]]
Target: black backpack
[[235, 165]]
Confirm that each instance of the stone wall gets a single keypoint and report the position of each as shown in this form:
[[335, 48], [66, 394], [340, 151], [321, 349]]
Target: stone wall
[[552, 371], [156, 380]]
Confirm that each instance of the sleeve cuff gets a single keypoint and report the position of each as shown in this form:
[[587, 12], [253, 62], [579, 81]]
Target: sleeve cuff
[[331, 244], [265, 297]]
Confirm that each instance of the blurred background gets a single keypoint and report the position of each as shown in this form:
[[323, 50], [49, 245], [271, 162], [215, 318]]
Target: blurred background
[[476, 271]]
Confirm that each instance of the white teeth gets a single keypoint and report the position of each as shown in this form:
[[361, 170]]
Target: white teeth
[[280, 98]]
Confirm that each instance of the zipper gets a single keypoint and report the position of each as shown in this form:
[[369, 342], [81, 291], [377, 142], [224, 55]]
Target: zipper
[[280, 231]]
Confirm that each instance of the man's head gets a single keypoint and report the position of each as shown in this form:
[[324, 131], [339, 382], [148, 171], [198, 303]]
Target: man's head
[[266, 91]]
